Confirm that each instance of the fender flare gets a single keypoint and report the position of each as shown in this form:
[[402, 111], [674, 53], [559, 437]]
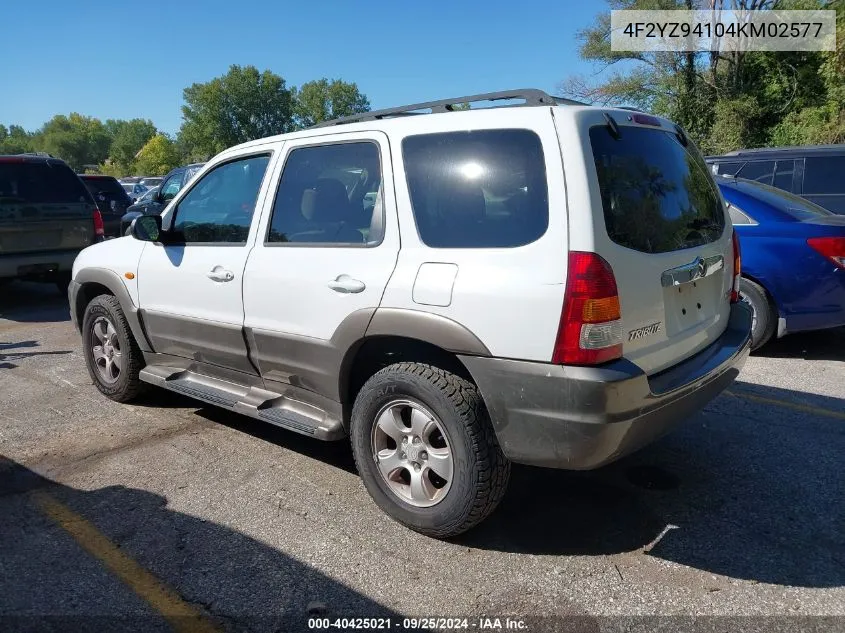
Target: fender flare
[[111, 280]]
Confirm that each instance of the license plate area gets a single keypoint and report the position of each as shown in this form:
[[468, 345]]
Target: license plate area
[[690, 304]]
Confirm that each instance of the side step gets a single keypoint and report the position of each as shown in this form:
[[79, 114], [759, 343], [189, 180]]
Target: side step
[[268, 406]]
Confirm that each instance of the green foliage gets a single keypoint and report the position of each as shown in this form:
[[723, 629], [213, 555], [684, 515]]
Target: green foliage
[[240, 106], [79, 140], [14, 140], [158, 156], [321, 100], [725, 101], [128, 137]]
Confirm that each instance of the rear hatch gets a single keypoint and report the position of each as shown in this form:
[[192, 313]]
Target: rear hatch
[[659, 220], [43, 207]]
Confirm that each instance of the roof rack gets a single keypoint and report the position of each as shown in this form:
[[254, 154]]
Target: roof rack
[[531, 96]]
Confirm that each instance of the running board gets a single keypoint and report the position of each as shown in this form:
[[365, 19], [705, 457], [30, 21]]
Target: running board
[[255, 402]]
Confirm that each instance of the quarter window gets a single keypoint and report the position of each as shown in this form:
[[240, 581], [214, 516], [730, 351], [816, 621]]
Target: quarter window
[[480, 189], [823, 174], [219, 208], [329, 194]]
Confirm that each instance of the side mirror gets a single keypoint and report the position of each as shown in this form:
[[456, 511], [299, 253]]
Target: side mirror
[[146, 228]]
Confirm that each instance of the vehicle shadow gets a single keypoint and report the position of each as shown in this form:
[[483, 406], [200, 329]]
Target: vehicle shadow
[[30, 302], [747, 489], [815, 345], [51, 583], [15, 353]]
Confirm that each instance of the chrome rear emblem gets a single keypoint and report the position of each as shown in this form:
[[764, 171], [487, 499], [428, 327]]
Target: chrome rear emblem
[[642, 332]]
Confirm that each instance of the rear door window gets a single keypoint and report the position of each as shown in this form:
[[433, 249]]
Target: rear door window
[[784, 173], [759, 171], [824, 174], [657, 195], [478, 189], [40, 183]]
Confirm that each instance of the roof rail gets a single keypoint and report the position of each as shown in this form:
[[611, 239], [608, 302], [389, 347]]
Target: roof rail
[[531, 96]]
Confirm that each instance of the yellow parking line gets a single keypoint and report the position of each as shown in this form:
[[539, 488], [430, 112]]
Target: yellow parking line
[[804, 408], [182, 616]]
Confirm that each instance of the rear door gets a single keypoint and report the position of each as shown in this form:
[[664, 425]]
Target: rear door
[[659, 221], [43, 207]]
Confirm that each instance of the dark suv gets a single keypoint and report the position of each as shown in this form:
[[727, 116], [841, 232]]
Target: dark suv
[[46, 217], [169, 187], [814, 172], [111, 199]]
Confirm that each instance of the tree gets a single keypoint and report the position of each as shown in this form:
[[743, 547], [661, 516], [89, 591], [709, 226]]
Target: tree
[[322, 100], [128, 137], [728, 99], [14, 140], [157, 157], [240, 106], [78, 140]]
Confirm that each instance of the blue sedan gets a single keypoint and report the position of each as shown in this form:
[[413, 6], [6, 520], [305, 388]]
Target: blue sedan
[[793, 259]]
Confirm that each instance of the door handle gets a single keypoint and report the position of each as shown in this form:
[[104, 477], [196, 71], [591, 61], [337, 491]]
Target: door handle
[[345, 284], [219, 274]]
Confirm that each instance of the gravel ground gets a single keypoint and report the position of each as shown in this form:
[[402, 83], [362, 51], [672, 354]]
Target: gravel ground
[[736, 513]]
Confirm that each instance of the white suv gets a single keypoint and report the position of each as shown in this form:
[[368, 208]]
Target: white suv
[[547, 283]]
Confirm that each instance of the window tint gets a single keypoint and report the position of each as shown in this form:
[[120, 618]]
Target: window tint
[[760, 171], [482, 189], [657, 195], [40, 183], [219, 207], [327, 195], [824, 174], [171, 187], [783, 174], [728, 169]]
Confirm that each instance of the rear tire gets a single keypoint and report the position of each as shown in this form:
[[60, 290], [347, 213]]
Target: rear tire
[[447, 431], [764, 315], [111, 353]]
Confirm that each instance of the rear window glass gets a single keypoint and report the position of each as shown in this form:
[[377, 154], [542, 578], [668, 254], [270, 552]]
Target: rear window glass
[[107, 185], [480, 189], [823, 174], [657, 195], [40, 183]]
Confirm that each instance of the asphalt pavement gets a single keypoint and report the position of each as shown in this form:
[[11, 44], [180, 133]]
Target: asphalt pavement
[[165, 514]]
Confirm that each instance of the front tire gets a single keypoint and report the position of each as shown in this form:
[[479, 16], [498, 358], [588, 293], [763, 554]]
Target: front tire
[[764, 317], [425, 449], [111, 353]]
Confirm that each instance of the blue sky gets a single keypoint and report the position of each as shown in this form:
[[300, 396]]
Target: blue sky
[[123, 60]]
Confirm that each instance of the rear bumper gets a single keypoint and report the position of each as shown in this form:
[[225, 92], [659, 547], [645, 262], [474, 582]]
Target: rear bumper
[[36, 265], [584, 417]]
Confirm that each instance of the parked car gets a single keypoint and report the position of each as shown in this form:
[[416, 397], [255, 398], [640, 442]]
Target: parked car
[[520, 318], [134, 191], [111, 199], [151, 181], [47, 217], [793, 259], [815, 172], [169, 187]]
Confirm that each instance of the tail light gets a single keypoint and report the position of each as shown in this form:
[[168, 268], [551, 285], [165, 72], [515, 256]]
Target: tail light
[[831, 247], [590, 330], [737, 269], [99, 228]]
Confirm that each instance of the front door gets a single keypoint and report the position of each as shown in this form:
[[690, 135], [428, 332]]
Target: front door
[[322, 259], [190, 287]]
